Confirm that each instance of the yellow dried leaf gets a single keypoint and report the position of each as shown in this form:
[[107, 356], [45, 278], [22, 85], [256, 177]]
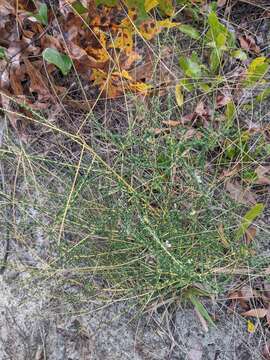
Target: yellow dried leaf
[[179, 95], [167, 23], [149, 29], [123, 74], [123, 41], [140, 87], [106, 83], [101, 54]]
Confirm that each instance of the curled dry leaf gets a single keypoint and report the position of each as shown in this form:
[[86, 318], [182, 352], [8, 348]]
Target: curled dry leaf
[[202, 110], [222, 100], [159, 131], [240, 195], [263, 174], [248, 43], [250, 234], [172, 123], [258, 313]]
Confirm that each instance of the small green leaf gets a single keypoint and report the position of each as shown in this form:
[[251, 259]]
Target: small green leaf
[[248, 218], [190, 31], [191, 67], [2, 53], [42, 15], [79, 8], [62, 61], [239, 54]]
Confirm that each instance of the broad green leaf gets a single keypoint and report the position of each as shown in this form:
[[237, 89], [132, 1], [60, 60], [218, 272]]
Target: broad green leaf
[[201, 309], [191, 68], [218, 33], [248, 218], [215, 27], [179, 95], [190, 31], [106, 2], [239, 54], [42, 15], [79, 8], [62, 61], [2, 53], [256, 71]]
